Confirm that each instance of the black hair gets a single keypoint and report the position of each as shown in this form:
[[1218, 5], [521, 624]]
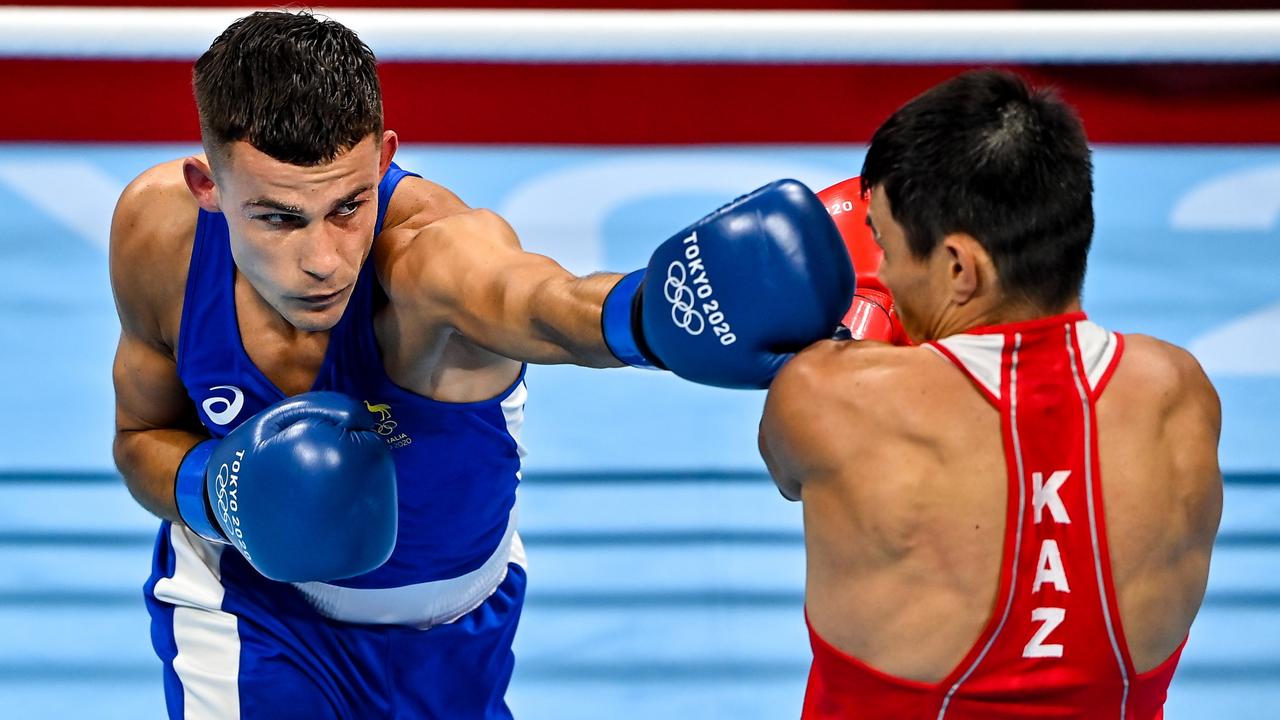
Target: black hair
[[299, 88], [985, 154]]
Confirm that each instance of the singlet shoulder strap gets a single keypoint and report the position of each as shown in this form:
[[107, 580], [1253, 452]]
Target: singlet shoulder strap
[[1100, 351], [206, 273], [979, 354], [390, 179], [979, 357]]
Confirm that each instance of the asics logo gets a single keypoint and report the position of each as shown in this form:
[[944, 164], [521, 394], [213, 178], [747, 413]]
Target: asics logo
[[222, 410], [683, 312]]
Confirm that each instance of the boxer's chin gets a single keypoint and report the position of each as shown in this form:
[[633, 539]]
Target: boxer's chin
[[314, 315]]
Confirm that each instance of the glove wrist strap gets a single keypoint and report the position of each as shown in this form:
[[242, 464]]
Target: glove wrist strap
[[619, 324], [191, 495]]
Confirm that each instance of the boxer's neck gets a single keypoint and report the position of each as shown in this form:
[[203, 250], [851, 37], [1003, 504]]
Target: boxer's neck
[[994, 310]]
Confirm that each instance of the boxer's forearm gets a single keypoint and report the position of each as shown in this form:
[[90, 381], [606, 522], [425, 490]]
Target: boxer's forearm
[[564, 319], [148, 460]]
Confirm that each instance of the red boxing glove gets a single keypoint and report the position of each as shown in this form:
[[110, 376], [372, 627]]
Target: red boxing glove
[[872, 316]]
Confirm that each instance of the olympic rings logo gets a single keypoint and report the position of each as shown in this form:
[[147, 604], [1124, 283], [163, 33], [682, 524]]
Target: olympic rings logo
[[683, 312]]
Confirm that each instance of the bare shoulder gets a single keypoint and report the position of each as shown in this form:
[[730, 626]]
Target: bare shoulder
[[833, 388], [436, 248], [474, 227], [853, 366], [835, 401], [1162, 398], [155, 211], [418, 216], [1169, 377], [152, 232], [1160, 389], [417, 203], [862, 375]]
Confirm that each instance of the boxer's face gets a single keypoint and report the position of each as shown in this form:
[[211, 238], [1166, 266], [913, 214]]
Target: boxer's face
[[300, 234], [908, 278]]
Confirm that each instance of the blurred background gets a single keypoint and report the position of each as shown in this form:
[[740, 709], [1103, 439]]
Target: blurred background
[[666, 572]]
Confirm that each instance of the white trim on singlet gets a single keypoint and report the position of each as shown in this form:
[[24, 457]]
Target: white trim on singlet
[[1097, 348], [421, 605], [208, 639], [1093, 522], [513, 414], [980, 355], [1017, 541]]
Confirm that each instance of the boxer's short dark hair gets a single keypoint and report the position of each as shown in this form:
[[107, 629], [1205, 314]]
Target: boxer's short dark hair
[[985, 154], [299, 88]]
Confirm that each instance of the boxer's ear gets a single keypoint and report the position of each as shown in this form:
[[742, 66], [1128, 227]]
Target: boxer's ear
[[970, 270], [390, 143], [199, 177]]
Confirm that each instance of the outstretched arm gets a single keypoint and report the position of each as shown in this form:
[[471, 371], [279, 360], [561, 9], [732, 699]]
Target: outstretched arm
[[724, 302]]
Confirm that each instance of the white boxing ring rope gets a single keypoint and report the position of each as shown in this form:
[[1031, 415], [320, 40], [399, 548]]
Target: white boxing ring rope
[[679, 36]]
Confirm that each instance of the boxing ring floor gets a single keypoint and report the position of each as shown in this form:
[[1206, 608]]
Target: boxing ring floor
[[666, 574]]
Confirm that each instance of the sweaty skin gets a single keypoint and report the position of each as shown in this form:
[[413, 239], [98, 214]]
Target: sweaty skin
[[464, 298], [900, 465]]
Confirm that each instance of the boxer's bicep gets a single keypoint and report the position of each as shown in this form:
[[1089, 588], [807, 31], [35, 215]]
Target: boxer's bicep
[[155, 424], [149, 394]]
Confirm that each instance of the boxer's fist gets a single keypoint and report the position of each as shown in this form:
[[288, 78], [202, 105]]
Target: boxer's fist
[[726, 301], [305, 490], [871, 316]]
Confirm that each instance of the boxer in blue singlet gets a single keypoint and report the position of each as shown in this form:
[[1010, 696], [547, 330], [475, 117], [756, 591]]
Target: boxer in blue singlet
[[319, 384]]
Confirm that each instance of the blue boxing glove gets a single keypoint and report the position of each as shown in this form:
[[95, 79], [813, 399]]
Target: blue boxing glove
[[728, 300], [305, 490]]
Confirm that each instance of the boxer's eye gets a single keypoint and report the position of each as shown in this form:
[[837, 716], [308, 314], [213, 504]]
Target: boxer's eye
[[280, 219], [875, 234], [348, 209]]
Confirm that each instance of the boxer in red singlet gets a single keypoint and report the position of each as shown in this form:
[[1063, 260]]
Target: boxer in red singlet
[[1013, 518]]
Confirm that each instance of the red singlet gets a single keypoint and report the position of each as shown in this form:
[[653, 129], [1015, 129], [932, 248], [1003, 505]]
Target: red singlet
[[1054, 647]]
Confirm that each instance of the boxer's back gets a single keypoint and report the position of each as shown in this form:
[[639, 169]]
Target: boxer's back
[[907, 500]]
